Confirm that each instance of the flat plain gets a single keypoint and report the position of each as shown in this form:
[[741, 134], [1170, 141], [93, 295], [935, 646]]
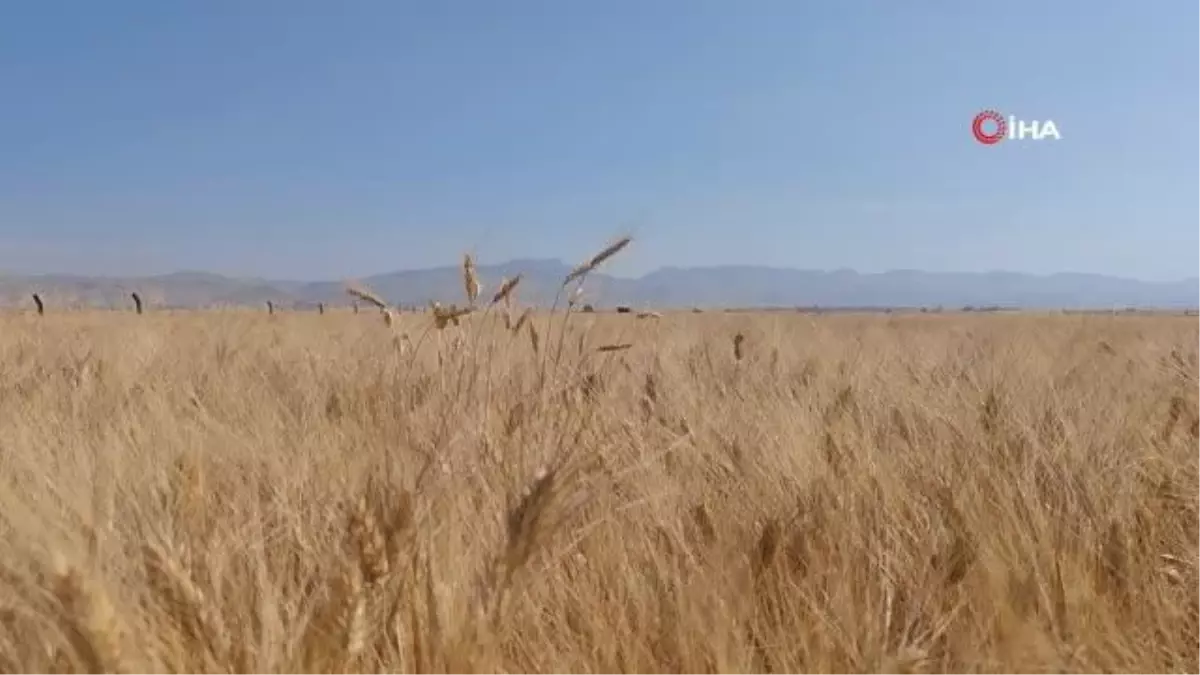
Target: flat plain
[[232, 491]]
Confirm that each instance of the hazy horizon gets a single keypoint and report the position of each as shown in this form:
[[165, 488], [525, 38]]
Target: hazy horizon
[[296, 140], [495, 263]]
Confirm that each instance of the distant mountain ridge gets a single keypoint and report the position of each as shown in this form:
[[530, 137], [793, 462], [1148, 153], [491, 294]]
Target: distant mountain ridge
[[668, 287]]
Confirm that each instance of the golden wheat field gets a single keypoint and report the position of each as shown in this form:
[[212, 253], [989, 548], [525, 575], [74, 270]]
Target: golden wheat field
[[232, 491]]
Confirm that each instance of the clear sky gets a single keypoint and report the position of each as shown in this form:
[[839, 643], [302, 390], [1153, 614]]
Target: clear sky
[[313, 139]]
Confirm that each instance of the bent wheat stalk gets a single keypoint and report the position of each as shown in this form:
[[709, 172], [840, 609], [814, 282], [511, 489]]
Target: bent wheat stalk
[[366, 295], [579, 273], [369, 296]]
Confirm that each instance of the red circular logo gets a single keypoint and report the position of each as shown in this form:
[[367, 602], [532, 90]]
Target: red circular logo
[[996, 135]]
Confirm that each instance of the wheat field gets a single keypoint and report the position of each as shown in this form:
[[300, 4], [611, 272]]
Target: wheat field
[[232, 491]]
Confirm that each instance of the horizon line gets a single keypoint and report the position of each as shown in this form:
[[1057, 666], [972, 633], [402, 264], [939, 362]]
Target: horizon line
[[714, 267]]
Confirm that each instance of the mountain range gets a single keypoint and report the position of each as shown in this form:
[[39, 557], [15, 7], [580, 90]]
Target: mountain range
[[668, 287]]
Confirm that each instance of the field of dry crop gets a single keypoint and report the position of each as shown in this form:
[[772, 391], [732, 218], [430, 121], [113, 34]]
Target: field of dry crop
[[217, 491]]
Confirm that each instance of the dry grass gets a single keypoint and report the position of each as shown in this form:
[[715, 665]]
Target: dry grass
[[227, 491]]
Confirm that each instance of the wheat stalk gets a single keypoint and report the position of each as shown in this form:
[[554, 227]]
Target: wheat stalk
[[369, 542], [470, 279], [192, 611], [521, 321], [507, 286], [443, 316], [366, 295], [534, 339], [355, 624], [93, 627], [596, 260], [614, 348]]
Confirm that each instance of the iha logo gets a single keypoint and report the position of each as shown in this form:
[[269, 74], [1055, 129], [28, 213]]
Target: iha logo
[[990, 127]]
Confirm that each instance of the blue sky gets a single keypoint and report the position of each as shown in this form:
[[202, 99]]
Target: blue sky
[[314, 139]]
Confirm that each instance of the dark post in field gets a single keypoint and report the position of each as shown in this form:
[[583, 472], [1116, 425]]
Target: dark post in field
[[37, 300], [137, 302]]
